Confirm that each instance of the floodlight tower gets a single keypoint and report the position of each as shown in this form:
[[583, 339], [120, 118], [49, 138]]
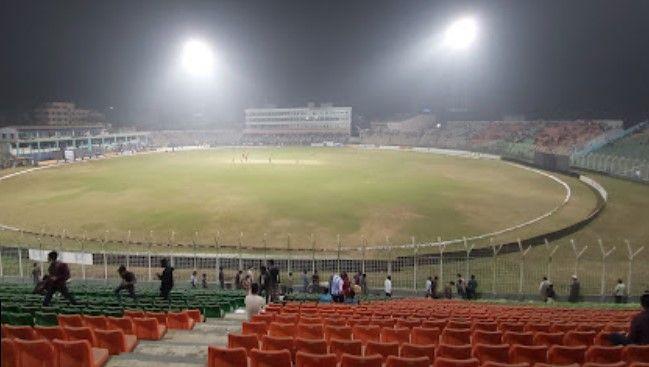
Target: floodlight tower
[[197, 72], [458, 39]]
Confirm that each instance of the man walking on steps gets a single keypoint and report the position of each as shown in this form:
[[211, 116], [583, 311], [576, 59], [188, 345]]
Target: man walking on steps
[[166, 279], [58, 276], [128, 283]]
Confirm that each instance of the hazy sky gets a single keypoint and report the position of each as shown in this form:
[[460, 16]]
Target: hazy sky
[[547, 58]]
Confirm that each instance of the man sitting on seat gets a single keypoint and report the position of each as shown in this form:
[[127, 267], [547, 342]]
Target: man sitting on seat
[[254, 302], [639, 330]]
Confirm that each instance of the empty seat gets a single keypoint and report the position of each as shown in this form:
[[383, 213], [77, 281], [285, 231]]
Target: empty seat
[[450, 362], [487, 337], [79, 353], [270, 358], [303, 359], [484, 326], [70, 320], [562, 327], [456, 336], [115, 341], [454, 324], [122, 323], [196, 315], [246, 341], [149, 329], [389, 322], [226, 357], [180, 320], [160, 316], [287, 318], [586, 338], [440, 324], [398, 334], [81, 333], [511, 326], [348, 360], [512, 337], [275, 343], [50, 332], [310, 331], [21, 332], [338, 332], [394, 361], [417, 350], [95, 322], [491, 353], [528, 354], [408, 323], [313, 346], [453, 351], [604, 354], [597, 364], [384, 349], [134, 314], [9, 353], [425, 336], [35, 353], [636, 353], [258, 328], [265, 317], [548, 339], [281, 329], [536, 327], [498, 364], [340, 346], [561, 354], [366, 333]]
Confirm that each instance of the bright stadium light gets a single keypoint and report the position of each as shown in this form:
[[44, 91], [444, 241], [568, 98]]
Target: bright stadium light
[[461, 34], [197, 58]]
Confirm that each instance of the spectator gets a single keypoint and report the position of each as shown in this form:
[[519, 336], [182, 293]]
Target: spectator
[[325, 296], [433, 288], [315, 280], [461, 286], [619, 292], [348, 292], [305, 281], [273, 280], [550, 294], [254, 302], [639, 329], [246, 284], [336, 289], [543, 289], [575, 289], [263, 282], [128, 282], [36, 274], [429, 287], [357, 278], [448, 290], [58, 274], [364, 288], [204, 281], [221, 278], [388, 286], [193, 280], [237, 279], [472, 288], [289, 283], [166, 279]]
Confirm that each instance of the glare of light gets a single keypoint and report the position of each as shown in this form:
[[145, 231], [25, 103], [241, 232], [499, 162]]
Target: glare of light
[[461, 34], [197, 58]]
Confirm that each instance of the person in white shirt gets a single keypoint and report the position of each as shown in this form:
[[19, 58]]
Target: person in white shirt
[[543, 289], [388, 286], [254, 302], [337, 289], [429, 287], [620, 291], [194, 279]]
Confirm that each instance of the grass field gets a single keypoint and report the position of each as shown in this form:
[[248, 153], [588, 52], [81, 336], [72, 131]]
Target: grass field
[[301, 191]]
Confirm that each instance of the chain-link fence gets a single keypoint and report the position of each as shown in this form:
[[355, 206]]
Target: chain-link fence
[[635, 169]]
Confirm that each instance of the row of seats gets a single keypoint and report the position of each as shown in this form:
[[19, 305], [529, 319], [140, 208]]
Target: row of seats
[[55, 353]]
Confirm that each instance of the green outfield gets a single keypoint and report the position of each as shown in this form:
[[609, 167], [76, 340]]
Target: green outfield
[[301, 191]]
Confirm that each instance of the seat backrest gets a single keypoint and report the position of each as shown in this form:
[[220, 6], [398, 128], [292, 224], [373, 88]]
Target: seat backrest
[[123, 323], [487, 337], [498, 364], [366, 333], [348, 360], [313, 346], [70, 320], [304, 359], [514, 337], [73, 353], [484, 326], [281, 329], [491, 353], [276, 343], [596, 364], [636, 353], [548, 339], [338, 332], [340, 346], [81, 333], [528, 354], [384, 349], [454, 351], [9, 357], [394, 361], [560, 354], [50, 332], [422, 335], [397, 334], [604, 354], [417, 350], [310, 331], [113, 340], [270, 358], [35, 353], [586, 338], [450, 362], [226, 357], [456, 336], [21, 332], [95, 322], [246, 341]]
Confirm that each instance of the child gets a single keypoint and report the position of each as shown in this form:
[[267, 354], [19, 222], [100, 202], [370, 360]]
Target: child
[[204, 280]]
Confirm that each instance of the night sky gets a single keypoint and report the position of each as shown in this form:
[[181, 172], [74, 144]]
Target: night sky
[[552, 59]]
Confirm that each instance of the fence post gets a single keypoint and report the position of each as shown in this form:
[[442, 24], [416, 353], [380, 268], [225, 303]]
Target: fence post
[[20, 261], [521, 266], [388, 251], [414, 259], [170, 242], [363, 248], [2, 274], [149, 254], [128, 242], [194, 248], [338, 244], [288, 253], [103, 252], [495, 250], [442, 248], [265, 240], [82, 246], [240, 241], [631, 256], [468, 250], [217, 244], [605, 254], [550, 255], [312, 253], [578, 254]]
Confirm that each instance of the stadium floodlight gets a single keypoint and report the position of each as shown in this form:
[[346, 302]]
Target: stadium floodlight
[[197, 58], [461, 34]]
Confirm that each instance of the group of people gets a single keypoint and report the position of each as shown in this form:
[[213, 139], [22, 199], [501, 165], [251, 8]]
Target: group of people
[[548, 294], [459, 287]]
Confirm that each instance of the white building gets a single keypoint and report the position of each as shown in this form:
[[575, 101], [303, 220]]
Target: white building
[[326, 119], [66, 114]]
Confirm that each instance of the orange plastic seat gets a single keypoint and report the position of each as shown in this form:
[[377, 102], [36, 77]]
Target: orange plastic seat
[[497, 364], [246, 341], [115, 341], [134, 314], [226, 357], [340, 346], [487, 337], [389, 322], [456, 336], [310, 320], [276, 343], [511, 327], [79, 353], [122, 323], [408, 323], [512, 337], [491, 353], [450, 362], [484, 326], [453, 351], [70, 320], [398, 334], [394, 361], [548, 339], [313, 346], [269, 358], [303, 359], [263, 317], [281, 329], [561, 354], [36, 353], [195, 315], [573, 338], [528, 354], [338, 332], [366, 333], [602, 339], [639, 364], [81, 333], [9, 353], [596, 364], [417, 350], [20, 332], [258, 328], [562, 327], [425, 336], [440, 324], [287, 318], [596, 327], [180, 320], [160, 316], [149, 329], [603, 354], [310, 331], [536, 327], [348, 360], [454, 324], [557, 365], [50, 332], [95, 322], [384, 349], [636, 353]]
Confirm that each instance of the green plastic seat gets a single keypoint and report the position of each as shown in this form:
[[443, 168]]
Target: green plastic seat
[[20, 318], [212, 310], [45, 319]]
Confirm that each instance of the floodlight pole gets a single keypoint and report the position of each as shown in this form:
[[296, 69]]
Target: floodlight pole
[[521, 265], [578, 254], [550, 252], [467, 248], [312, 253], [128, 242], [631, 254], [288, 253], [605, 255], [363, 248], [339, 245], [194, 240], [495, 250], [414, 261], [172, 235], [149, 255], [240, 241], [103, 251], [442, 248]]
